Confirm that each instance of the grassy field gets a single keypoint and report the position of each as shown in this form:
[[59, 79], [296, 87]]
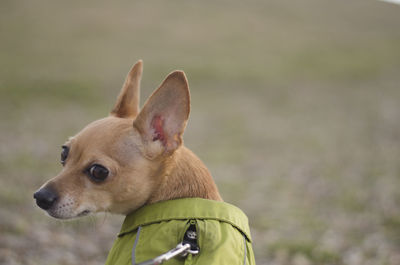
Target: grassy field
[[295, 110]]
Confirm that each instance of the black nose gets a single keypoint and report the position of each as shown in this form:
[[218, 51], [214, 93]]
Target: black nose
[[45, 198]]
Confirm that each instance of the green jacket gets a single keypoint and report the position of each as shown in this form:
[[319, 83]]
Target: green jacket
[[222, 229]]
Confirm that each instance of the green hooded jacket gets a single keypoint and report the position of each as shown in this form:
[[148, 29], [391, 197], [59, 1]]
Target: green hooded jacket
[[222, 229]]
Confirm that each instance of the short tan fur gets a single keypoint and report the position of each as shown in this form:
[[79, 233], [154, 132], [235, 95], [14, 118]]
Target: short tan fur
[[142, 153]]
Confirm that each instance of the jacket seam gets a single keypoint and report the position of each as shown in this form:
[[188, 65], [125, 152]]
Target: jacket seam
[[134, 245]]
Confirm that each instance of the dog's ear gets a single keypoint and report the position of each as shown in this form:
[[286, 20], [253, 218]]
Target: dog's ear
[[127, 105], [163, 118]]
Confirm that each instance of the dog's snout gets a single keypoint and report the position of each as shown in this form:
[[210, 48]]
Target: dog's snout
[[45, 198]]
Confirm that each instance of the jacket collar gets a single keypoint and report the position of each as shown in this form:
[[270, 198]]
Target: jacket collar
[[184, 209]]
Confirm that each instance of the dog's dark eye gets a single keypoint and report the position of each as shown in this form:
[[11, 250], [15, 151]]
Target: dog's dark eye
[[98, 173], [64, 154]]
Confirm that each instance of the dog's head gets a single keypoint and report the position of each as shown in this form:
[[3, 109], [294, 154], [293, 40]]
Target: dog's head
[[113, 164]]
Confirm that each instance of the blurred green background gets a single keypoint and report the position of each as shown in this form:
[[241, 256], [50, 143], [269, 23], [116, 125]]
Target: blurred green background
[[295, 110]]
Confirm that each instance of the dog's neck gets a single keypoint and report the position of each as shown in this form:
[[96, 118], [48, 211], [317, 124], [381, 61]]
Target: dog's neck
[[184, 175]]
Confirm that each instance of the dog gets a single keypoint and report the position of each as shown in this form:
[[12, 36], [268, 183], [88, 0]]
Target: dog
[[134, 163]]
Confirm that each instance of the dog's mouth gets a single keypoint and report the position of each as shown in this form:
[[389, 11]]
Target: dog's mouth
[[83, 213]]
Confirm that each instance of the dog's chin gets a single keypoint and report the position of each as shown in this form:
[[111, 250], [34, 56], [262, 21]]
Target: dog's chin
[[67, 215]]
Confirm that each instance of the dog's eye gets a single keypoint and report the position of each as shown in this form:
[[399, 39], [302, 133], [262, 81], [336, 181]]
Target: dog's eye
[[64, 154], [98, 173]]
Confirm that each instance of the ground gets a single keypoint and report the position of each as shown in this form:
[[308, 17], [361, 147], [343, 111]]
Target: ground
[[295, 110]]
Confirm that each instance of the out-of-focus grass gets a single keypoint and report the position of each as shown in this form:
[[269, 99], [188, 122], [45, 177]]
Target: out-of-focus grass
[[295, 110]]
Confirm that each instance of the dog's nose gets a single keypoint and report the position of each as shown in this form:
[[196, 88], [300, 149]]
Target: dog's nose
[[45, 198]]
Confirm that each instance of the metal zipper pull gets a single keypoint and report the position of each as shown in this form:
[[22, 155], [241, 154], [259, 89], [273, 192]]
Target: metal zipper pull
[[190, 238]]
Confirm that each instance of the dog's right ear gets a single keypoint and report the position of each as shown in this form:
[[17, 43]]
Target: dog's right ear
[[127, 105], [163, 118]]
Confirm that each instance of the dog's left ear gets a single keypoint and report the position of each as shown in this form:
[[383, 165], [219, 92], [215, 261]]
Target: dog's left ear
[[163, 118], [127, 105]]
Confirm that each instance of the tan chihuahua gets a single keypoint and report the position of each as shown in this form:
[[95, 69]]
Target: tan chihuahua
[[130, 159]]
